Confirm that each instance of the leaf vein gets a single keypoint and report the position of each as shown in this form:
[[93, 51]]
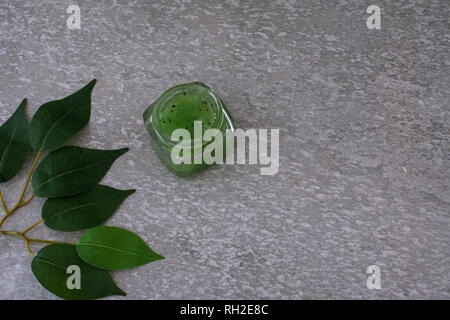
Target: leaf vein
[[61, 267], [71, 209], [9, 144], [54, 125], [69, 172], [96, 244]]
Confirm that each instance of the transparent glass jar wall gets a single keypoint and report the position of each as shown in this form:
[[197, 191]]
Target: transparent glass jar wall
[[178, 108]]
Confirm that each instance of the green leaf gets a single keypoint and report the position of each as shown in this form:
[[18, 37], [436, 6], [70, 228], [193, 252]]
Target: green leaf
[[83, 211], [69, 171], [50, 267], [113, 248], [14, 143], [56, 121]]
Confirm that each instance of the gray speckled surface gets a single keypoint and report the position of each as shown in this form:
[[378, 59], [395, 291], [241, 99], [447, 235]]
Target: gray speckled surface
[[364, 141]]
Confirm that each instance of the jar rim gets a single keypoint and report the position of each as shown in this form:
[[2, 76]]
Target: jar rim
[[193, 86]]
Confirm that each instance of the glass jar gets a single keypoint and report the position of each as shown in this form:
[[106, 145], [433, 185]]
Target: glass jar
[[178, 108]]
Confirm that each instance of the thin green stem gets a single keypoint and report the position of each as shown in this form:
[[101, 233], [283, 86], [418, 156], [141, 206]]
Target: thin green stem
[[10, 233], [3, 202], [29, 178], [28, 241], [24, 203], [20, 203], [30, 252], [3, 220], [51, 241], [33, 226]]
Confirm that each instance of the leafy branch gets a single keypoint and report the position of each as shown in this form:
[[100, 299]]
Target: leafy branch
[[69, 178], [28, 240], [20, 203]]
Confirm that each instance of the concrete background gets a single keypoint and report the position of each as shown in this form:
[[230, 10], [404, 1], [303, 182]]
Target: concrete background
[[364, 141]]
